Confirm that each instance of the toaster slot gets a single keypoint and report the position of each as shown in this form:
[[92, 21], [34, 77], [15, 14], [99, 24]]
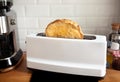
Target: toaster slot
[[86, 37], [89, 37], [41, 34]]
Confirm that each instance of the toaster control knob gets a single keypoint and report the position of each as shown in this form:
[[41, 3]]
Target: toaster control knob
[[12, 22]]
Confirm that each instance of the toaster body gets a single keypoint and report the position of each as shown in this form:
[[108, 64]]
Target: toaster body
[[71, 56]]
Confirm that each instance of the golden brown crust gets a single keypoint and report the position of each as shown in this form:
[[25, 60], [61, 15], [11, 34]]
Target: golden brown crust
[[64, 28]]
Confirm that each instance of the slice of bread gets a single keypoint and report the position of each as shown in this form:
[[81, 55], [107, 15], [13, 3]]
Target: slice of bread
[[64, 28]]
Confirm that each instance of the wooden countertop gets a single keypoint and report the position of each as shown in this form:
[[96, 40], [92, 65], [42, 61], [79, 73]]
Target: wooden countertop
[[22, 74]]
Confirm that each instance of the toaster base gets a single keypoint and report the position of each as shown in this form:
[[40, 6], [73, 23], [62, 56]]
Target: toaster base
[[41, 75]]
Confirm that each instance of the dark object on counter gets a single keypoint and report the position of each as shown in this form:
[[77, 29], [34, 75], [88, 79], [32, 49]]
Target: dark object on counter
[[10, 62], [10, 53], [116, 63], [40, 75]]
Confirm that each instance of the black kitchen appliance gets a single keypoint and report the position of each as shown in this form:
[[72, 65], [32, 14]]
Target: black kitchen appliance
[[10, 53]]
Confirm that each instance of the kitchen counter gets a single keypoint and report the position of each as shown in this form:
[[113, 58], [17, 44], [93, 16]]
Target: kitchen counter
[[21, 74]]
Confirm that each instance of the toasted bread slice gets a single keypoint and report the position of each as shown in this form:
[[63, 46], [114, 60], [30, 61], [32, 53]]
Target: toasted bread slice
[[64, 28]]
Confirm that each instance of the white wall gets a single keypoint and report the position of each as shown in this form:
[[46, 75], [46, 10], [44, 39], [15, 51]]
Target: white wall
[[94, 16]]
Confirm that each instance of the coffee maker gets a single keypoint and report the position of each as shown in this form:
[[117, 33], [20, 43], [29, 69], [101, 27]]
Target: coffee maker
[[10, 53]]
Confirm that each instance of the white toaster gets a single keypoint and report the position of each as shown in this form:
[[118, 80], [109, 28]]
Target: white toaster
[[72, 56]]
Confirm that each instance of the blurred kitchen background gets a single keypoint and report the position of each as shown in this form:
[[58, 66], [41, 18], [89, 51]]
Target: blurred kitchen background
[[94, 16]]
